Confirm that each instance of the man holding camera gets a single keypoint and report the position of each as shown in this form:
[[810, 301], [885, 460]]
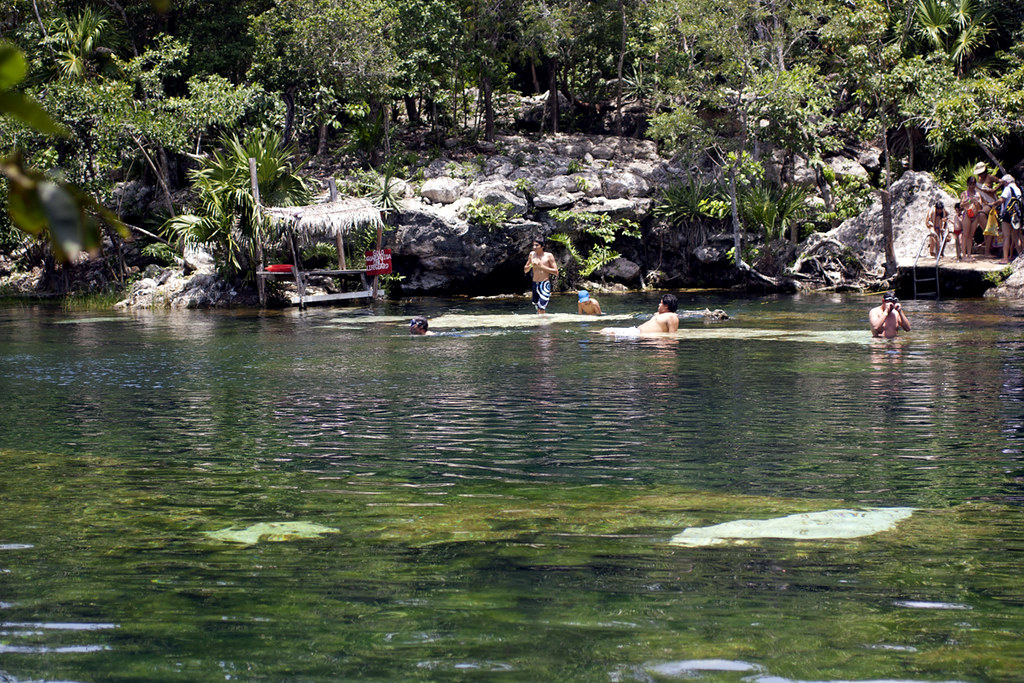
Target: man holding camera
[[887, 319]]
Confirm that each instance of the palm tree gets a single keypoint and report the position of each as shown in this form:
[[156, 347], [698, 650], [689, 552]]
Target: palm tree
[[959, 28], [228, 220], [83, 45]]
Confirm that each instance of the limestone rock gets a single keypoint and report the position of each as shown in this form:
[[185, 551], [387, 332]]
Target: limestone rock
[[801, 172], [619, 185], [495, 192], [1013, 286], [558, 200], [845, 167], [621, 270], [442, 190], [913, 195]]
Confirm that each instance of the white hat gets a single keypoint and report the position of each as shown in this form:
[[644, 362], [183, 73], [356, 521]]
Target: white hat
[[980, 167], [1008, 179]]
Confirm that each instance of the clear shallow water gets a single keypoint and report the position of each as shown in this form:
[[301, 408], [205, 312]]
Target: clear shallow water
[[502, 495]]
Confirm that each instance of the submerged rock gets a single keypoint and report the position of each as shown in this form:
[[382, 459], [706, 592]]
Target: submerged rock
[[271, 531], [829, 524]]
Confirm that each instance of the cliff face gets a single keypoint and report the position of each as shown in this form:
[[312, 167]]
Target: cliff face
[[440, 250]]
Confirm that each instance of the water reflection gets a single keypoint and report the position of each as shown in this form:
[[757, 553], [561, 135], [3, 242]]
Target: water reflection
[[504, 499]]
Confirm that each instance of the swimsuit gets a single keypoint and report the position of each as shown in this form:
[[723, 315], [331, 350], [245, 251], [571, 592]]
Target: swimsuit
[[622, 331], [541, 294]]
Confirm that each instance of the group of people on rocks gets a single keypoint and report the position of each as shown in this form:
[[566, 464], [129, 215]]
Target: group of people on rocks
[[990, 208]]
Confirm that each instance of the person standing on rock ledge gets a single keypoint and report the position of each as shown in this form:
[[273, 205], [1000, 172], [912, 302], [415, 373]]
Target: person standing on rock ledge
[[887, 318], [544, 268]]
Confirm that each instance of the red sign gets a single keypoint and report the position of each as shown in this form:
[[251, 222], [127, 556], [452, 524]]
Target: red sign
[[378, 262]]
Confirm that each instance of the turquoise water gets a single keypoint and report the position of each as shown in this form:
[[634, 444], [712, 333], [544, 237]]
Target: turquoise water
[[498, 501]]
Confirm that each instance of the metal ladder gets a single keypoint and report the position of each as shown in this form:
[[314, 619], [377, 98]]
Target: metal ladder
[[934, 291]]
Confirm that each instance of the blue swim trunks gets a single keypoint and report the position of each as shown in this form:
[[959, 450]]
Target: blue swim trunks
[[541, 294]]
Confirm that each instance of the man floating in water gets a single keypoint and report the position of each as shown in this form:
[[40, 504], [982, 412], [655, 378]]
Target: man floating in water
[[544, 268], [887, 318], [666, 320]]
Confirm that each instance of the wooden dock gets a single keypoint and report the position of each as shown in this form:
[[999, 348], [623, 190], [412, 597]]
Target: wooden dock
[[947, 278], [301, 278]]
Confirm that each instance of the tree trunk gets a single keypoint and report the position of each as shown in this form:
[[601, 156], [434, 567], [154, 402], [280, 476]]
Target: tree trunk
[[910, 147], [124, 17], [734, 202], [488, 88], [321, 145], [42, 26], [159, 176], [435, 130], [289, 118], [622, 59], [988, 153], [891, 265], [411, 111], [553, 93], [826, 193]]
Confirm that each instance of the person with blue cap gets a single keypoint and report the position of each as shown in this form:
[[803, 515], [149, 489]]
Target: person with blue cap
[[587, 305]]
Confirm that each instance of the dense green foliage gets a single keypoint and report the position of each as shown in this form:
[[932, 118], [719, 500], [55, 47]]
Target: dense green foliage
[[141, 88]]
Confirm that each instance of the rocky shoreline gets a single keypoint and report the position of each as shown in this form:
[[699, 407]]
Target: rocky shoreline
[[439, 251]]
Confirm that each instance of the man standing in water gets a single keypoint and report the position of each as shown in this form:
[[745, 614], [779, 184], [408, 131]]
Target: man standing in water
[[544, 268], [887, 319]]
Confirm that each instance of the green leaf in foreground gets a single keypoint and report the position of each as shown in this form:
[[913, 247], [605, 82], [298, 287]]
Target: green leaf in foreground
[[13, 66], [29, 112]]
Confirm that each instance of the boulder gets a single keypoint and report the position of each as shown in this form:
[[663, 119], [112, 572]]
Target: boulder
[[558, 200], [913, 196], [436, 251], [801, 173], [845, 167], [559, 184], [621, 270], [495, 192], [442, 190], [870, 157], [1013, 286], [624, 184], [634, 210]]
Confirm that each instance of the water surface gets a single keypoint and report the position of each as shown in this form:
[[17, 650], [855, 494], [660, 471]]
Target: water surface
[[497, 501]]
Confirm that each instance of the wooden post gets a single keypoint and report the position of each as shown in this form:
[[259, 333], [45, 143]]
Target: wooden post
[[380, 242], [260, 283], [300, 282], [339, 237]]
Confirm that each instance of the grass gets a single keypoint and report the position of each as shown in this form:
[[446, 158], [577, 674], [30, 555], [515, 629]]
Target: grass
[[91, 301]]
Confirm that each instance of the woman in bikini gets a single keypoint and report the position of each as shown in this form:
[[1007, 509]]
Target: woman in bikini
[[970, 204], [988, 190]]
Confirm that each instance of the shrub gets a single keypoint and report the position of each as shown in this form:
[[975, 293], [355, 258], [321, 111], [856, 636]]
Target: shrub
[[490, 216], [596, 228]]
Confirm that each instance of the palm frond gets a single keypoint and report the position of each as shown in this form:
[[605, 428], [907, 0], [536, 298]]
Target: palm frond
[[934, 21]]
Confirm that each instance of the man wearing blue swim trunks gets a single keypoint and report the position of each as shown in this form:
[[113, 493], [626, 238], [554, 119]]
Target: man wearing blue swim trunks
[[544, 268]]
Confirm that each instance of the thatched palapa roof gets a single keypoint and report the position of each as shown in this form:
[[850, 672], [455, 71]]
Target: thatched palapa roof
[[330, 218]]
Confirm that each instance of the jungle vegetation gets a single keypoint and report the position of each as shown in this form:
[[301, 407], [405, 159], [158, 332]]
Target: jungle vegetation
[[97, 92]]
